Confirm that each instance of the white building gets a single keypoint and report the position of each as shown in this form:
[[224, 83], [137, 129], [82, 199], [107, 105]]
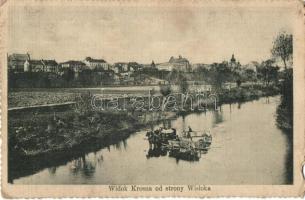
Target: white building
[[92, 63]]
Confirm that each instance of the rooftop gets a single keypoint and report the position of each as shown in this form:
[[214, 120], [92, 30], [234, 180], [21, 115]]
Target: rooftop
[[18, 56], [177, 60], [74, 62], [89, 59], [35, 62], [50, 62]]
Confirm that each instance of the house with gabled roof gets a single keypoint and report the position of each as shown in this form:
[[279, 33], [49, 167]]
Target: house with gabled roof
[[179, 64], [50, 66], [92, 63], [76, 66], [17, 62], [35, 65]]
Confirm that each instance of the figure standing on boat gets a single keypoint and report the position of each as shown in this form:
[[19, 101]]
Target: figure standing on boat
[[189, 132]]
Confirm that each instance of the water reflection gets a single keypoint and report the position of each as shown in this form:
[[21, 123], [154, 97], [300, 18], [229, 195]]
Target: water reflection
[[247, 148], [184, 156], [156, 152], [52, 170], [119, 145], [218, 117], [83, 166], [183, 122], [267, 100], [239, 105]]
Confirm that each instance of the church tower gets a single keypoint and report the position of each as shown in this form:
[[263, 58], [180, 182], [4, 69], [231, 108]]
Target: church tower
[[233, 60]]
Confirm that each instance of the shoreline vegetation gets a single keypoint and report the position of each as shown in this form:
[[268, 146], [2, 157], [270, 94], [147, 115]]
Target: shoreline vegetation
[[284, 119], [43, 139]]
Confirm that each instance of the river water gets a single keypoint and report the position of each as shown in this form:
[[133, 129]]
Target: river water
[[247, 148]]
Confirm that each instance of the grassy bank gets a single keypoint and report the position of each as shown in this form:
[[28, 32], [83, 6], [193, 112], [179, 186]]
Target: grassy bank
[[37, 141], [44, 139], [28, 98], [33, 133], [41, 140], [247, 93]]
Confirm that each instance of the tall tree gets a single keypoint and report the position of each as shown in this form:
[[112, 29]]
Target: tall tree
[[165, 90], [268, 72], [219, 74], [173, 76], [282, 47], [183, 85], [249, 75]]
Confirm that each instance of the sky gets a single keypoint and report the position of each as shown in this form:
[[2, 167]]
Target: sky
[[143, 34]]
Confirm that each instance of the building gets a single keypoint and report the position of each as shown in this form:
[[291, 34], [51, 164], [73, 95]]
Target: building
[[134, 66], [153, 65], [180, 60], [117, 78], [123, 67], [165, 66], [76, 66], [23, 63], [109, 73], [120, 67], [92, 63], [179, 64], [50, 66], [35, 65], [200, 66], [41, 66], [234, 64], [18, 62]]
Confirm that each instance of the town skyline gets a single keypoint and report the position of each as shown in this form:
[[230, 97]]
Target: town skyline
[[119, 35], [119, 61], [277, 61]]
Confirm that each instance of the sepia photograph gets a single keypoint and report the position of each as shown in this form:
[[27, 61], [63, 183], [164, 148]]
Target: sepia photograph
[[131, 96]]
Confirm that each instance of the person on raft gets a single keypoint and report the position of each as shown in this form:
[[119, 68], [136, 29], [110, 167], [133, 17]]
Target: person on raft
[[189, 132], [190, 129]]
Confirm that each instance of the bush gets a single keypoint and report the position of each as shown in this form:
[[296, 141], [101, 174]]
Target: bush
[[165, 90]]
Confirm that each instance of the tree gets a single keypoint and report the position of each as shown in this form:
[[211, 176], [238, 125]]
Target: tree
[[183, 85], [172, 77], [238, 82], [68, 75], [268, 72], [285, 108], [283, 47], [165, 90], [237, 77], [249, 75], [219, 74]]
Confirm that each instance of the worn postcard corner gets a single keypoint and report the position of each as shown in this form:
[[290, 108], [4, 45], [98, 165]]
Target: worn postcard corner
[[152, 99]]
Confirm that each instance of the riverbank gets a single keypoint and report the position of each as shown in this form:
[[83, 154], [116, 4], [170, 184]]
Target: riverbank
[[232, 128], [41, 140], [247, 93], [41, 96], [38, 140]]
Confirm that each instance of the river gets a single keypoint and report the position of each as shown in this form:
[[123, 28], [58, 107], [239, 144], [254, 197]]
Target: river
[[247, 148]]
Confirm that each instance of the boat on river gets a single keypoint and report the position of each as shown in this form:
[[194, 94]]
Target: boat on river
[[161, 136], [187, 146], [192, 140]]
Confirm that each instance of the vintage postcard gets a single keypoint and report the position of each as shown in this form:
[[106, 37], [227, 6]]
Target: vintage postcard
[[152, 98]]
